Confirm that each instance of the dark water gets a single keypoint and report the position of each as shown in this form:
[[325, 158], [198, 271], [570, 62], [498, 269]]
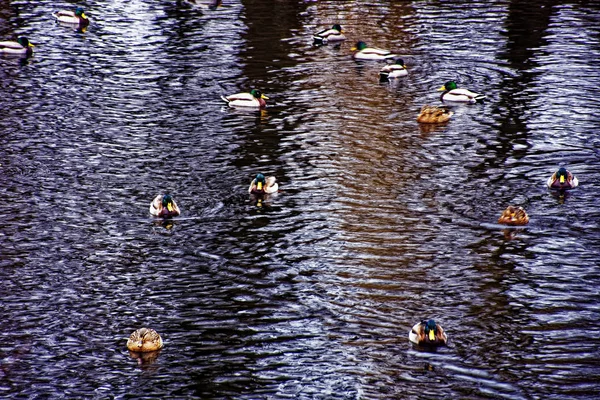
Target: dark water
[[380, 222]]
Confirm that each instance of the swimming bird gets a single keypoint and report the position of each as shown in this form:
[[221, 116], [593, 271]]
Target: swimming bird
[[164, 206], [454, 94], [362, 52], [76, 17], [254, 99], [203, 4], [392, 71], [21, 47], [514, 215], [335, 34], [434, 115], [144, 340], [262, 185], [562, 179], [427, 333]]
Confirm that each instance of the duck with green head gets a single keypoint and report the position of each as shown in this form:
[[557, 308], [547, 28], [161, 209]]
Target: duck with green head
[[363, 52], [334, 34], [252, 99], [76, 17], [562, 179], [164, 206], [452, 93], [20, 47], [263, 185], [428, 333], [392, 71]]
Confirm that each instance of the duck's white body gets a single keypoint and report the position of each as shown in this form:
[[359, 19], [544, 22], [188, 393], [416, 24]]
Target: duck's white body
[[246, 100], [393, 71], [373, 53], [70, 17], [157, 209], [329, 36], [14, 48], [462, 96]]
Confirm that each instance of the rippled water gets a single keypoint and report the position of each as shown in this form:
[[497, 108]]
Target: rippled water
[[379, 222]]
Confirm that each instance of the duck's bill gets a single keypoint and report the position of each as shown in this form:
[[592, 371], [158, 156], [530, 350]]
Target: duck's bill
[[431, 336], [442, 88], [259, 186], [262, 96]]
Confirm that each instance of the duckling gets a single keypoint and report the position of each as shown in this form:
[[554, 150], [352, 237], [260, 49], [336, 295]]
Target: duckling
[[76, 17], [254, 99], [454, 94], [396, 70], [21, 47], [261, 185], [434, 115], [362, 52], [164, 206], [514, 215], [144, 340], [335, 34], [562, 180], [428, 333]]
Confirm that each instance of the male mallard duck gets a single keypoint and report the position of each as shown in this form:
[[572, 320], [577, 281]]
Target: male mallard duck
[[262, 185], [203, 4], [253, 99], [427, 333], [20, 47], [164, 206], [434, 115], [143, 340], [395, 70], [562, 179], [452, 93], [335, 34], [514, 215], [76, 17], [362, 52]]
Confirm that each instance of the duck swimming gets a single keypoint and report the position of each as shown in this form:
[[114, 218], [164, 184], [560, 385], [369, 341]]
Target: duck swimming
[[76, 17], [514, 215], [453, 94], [144, 340], [362, 52], [261, 185], [428, 333], [562, 180], [164, 206], [392, 71], [253, 99], [21, 47], [434, 115], [335, 34]]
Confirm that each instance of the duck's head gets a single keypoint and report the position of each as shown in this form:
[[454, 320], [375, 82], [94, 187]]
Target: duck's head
[[431, 330], [337, 27], [167, 202], [359, 46], [258, 94], [23, 41], [79, 12], [562, 175], [399, 61], [450, 85], [260, 181]]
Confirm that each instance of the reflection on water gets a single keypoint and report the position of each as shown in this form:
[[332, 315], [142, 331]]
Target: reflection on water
[[380, 221]]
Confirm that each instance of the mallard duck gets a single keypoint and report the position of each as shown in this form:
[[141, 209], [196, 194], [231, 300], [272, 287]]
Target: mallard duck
[[427, 333], [144, 340], [335, 34], [262, 185], [254, 99], [453, 94], [434, 115], [164, 206], [562, 179], [362, 52], [395, 70], [76, 17], [203, 4], [514, 215], [21, 47]]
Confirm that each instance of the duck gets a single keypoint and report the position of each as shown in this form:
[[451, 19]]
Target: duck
[[454, 94], [362, 52], [335, 34], [144, 340], [392, 71], [203, 4], [254, 99], [428, 333], [562, 180], [434, 115], [21, 46], [261, 185], [164, 206], [514, 215], [76, 17]]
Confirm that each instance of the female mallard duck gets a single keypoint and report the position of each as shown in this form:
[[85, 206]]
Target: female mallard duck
[[335, 34], [164, 206], [144, 340], [76, 17], [362, 52], [254, 99], [434, 115], [261, 185], [395, 70], [454, 94], [562, 180], [514, 215], [20, 47], [427, 333]]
